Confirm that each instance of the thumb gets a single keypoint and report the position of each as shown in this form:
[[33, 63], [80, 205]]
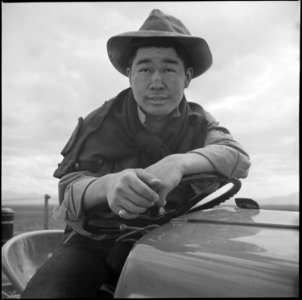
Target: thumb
[[155, 184], [161, 202], [148, 178]]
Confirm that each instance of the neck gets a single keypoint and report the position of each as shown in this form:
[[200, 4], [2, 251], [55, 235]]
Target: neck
[[151, 118], [154, 117], [156, 126], [152, 123]]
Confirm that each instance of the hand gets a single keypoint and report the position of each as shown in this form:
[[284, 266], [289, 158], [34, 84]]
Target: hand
[[133, 190], [169, 171]]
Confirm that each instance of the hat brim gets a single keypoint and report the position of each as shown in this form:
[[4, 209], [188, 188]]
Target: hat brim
[[200, 56]]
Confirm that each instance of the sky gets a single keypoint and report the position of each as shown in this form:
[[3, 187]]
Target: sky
[[55, 69]]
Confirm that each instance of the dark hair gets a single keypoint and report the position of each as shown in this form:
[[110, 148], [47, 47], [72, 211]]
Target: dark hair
[[137, 43]]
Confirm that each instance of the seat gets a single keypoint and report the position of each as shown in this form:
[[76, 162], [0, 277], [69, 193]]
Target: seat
[[23, 254]]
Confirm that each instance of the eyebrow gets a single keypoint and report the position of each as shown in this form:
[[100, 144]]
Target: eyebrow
[[166, 60]]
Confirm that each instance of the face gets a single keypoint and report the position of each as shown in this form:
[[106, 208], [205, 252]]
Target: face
[[158, 79]]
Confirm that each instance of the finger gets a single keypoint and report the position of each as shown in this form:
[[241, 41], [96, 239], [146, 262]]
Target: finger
[[155, 184], [162, 198], [143, 190], [130, 186], [132, 208], [140, 200], [149, 179]]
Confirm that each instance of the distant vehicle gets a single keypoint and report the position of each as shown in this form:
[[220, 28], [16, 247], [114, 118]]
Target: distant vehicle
[[236, 249]]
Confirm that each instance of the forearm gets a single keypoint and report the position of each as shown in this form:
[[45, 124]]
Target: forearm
[[220, 159], [77, 193], [226, 160], [191, 163], [212, 159], [226, 155]]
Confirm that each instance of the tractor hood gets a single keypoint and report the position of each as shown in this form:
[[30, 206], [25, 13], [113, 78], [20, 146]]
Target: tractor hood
[[220, 252]]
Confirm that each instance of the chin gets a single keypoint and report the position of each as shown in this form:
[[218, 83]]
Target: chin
[[158, 113]]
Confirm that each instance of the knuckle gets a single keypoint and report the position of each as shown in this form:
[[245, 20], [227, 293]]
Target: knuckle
[[118, 189]]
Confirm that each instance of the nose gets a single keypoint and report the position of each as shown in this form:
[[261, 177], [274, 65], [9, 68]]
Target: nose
[[156, 81]]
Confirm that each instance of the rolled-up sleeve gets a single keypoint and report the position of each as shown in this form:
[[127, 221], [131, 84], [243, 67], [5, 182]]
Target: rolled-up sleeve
[[226, 155], [72, 189]]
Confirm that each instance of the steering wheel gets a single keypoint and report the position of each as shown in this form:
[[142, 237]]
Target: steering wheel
[[228, 187]]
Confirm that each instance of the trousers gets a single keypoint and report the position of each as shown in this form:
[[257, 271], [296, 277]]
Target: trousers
[[78, 268]]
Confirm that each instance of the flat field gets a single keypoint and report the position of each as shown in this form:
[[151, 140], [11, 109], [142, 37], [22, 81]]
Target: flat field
[[31, 217]]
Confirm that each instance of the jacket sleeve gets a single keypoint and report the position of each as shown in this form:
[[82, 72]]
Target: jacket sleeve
[[225, 154], [72, 189]]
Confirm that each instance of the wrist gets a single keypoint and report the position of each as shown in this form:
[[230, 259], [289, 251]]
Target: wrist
[[179, 162], [195, 163], [185, 163], [96, 193]]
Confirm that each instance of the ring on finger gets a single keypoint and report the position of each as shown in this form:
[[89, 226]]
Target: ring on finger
[[122, 213]]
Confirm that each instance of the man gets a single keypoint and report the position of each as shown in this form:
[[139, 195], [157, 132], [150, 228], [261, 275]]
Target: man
[[127, 158]]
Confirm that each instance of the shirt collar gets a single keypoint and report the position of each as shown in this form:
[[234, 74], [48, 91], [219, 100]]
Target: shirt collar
[[143, 118]]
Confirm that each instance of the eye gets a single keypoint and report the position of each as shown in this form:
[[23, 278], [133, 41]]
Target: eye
[[144, 70], [169, 70]]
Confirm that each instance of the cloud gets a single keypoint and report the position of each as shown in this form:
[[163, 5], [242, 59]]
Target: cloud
[[29, 174], [55, 69]]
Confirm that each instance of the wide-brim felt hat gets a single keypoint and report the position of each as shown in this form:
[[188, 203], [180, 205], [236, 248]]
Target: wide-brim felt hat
[[160, 26]]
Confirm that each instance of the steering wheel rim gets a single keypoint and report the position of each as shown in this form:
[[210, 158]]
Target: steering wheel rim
[[114, 225], [219, 199]]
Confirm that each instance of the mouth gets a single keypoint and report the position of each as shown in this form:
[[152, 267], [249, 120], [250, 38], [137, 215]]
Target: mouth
[[157, 98]]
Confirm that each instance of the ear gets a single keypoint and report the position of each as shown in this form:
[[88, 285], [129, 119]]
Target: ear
[[189, 75], [128, 70]]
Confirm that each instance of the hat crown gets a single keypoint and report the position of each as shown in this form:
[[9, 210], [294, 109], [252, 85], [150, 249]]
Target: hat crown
[[158, 21], [159, 27]]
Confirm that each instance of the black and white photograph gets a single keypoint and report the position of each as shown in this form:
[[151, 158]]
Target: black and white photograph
[[150, 149]]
